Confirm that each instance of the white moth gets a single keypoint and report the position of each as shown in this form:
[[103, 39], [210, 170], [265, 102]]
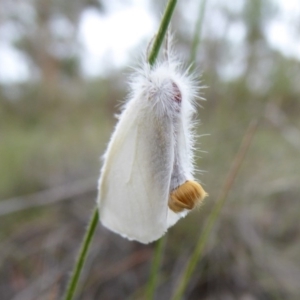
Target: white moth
[[146, 183]]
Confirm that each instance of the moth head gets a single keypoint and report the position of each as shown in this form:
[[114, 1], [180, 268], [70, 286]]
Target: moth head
[[164, 95]]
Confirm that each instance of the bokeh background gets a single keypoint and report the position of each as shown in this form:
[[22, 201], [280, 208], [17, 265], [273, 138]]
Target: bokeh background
[[63, 72]]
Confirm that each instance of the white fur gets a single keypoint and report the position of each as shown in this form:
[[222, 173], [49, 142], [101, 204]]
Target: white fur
[[150, 153]]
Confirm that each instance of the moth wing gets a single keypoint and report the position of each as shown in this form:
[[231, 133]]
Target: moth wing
[[134, 183]]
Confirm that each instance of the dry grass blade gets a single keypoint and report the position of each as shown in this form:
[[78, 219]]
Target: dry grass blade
[[232, 174], [237, 162]]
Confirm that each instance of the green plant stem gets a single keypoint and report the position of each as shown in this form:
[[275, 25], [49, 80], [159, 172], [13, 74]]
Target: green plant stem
[[236, 164], [197, 33], [82, 255], [73, 282], [162, 31], [158, 253], [159, 247]]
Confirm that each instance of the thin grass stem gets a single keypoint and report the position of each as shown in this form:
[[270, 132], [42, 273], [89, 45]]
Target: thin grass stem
[[197, 33], [73, 282], [161, 31], [159, 247], [229, 180], [157, 258], [82, 255]]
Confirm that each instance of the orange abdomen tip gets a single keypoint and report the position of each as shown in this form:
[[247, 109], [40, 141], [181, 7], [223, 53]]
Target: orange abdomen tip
[[186, 196]]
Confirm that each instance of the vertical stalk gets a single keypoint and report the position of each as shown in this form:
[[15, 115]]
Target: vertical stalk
[[82, 255], [158, 253], [197, 33], [73, 282], [162, 31], [229, 180], [159, 247]]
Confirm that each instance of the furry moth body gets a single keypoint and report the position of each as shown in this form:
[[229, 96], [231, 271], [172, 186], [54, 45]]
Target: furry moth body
[[146, 183]]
